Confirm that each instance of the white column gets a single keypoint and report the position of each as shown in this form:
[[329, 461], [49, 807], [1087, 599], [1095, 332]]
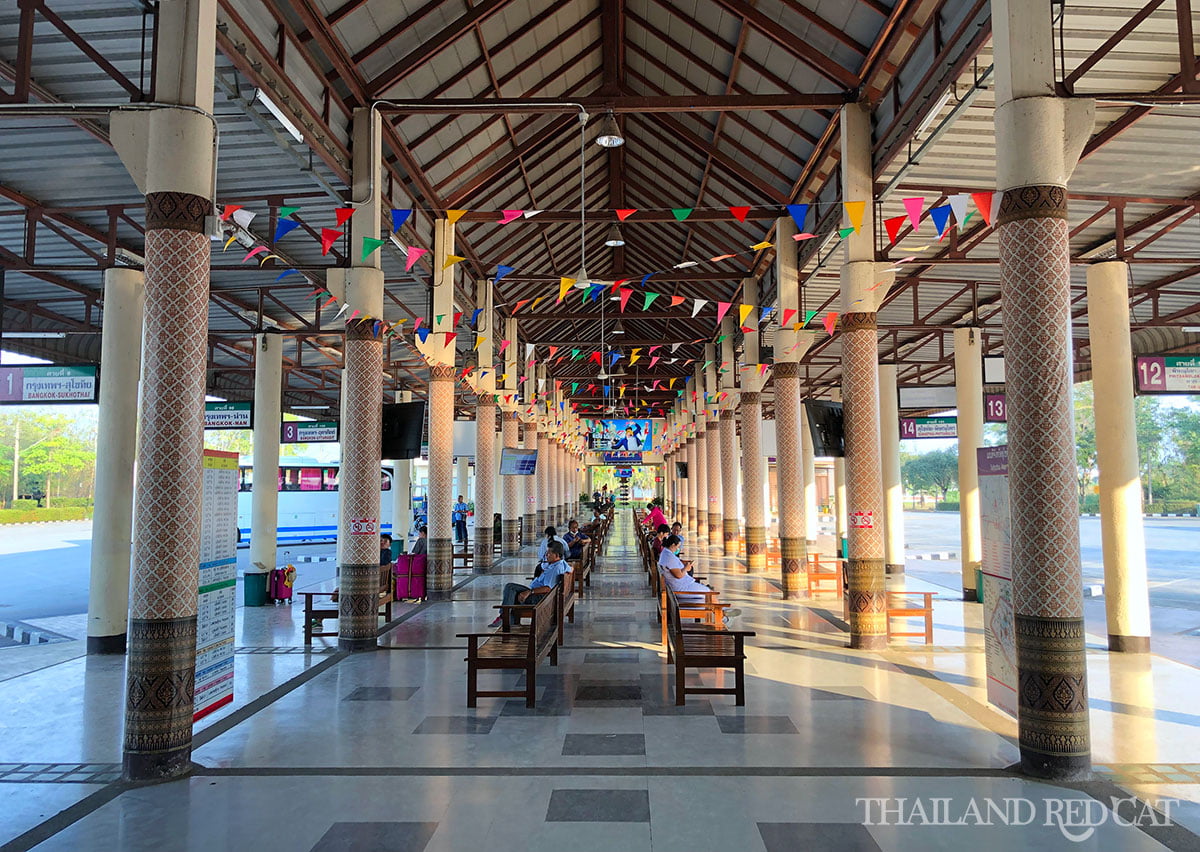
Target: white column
[[968, 389], [1126, 594], [116, 448], [893, 491], [264, 497], [402, 490]]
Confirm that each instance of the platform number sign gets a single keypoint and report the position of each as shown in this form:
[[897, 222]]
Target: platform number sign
[[1167, 374], [995, 408]]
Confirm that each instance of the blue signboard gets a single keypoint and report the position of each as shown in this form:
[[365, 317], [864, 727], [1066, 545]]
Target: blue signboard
[[622, 457]]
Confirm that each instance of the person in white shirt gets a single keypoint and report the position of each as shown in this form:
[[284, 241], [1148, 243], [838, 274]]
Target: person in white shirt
[[675, 575], [551, 535]]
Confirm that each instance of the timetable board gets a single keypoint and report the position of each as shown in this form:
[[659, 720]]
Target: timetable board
[[216, 605], [1168, 374], [999, 619]]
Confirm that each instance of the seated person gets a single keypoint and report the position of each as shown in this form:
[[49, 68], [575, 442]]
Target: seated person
[[385, 549], [421, 545], [553, 566], [656, 542], [551, 536], [674, 574], [655, 517], [575, 540], [677, 531]]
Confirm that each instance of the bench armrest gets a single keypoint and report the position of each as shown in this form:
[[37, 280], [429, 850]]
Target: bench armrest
[[718, 632]]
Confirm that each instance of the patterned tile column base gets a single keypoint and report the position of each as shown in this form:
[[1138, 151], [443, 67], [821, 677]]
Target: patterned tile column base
[[483, 548], [756, 548], [793, 559], [893, 569], [510, 536], [716, 527], [529, 530], [358, 607], [729, 534], [868, 602], [160, 693], [441, 564], [541, 520], [1052, 698]]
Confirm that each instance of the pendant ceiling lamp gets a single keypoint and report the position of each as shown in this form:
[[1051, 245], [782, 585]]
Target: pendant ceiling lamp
[[610, 133]]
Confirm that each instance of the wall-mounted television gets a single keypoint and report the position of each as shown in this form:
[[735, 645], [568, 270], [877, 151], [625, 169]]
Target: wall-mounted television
[[636, 435], [403, 426], [681, 469], [515, 461], [825, 425]]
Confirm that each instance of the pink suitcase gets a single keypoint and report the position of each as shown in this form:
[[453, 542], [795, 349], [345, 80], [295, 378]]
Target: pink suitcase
[[410, 576], [280, 583]]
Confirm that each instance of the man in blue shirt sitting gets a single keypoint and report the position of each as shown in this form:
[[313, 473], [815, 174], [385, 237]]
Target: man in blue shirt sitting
[[553, 566]]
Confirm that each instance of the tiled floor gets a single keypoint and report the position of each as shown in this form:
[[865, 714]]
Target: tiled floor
[[378, 751]]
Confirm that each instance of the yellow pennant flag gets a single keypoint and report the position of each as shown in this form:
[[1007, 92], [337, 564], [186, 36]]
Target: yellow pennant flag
[[760, 246], [672, 384], [455, 215], [479, 340], [634, 359], [743, 312], [854, 212], [564, 284], [452, 259], [536, 301], [622, 389], [228, 241]]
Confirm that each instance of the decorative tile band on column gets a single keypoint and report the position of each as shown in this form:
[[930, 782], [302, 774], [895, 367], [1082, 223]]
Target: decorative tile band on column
[[864, 487], [510, 536], [756, 547], [160, 694], [1052, 697], [1034, 257], [160, 670], [441, 481], [712, 446], [793, 557], [358, 582]]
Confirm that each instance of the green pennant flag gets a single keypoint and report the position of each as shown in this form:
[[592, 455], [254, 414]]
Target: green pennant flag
[[370, 246], [438, 319], [808, 316], [681, 213], [650, 297], [719, 339], [574, 386], [970, 213], [575, 354], [844, 232], [284, 212]]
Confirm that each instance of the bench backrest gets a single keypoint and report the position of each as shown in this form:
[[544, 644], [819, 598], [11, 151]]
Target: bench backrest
[[543, 629], [674, 626]]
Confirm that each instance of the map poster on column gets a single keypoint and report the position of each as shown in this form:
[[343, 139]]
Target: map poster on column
[[999, 633], [217, 604]]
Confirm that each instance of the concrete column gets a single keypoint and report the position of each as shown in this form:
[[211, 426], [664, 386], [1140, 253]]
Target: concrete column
[[362, 392], [440, 578], [169, 154], [1126, 594], [968, 389], [530, 531], [753, 463], [841, 521], [808, 464], [689, 484], [701, 452], [730, 523], [485, 430], [545, 464], [860, 384], [712, 447], [268, 405], [510, 519], [893, 490], [1038, 140], [116, 448], [402, 490]]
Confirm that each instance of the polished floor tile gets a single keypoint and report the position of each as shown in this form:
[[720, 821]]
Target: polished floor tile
[[599, 806], [376, 837], [604, 744]]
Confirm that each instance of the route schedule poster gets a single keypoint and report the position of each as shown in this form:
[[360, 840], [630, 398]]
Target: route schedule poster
[[999, 628], [217, 604]]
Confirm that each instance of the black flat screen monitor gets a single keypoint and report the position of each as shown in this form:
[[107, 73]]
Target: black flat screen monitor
[[517, 462], [825, 425], [403, 425], [681, 469]]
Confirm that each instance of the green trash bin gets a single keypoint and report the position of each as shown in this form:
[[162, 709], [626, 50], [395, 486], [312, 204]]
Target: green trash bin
[[397, 548], [845, 551], [979, 585], [254, 588]]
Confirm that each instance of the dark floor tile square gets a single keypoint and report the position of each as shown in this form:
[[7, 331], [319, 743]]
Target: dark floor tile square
[[455, 725], [694, 707], [609, 692], [376, 837], [756, 725], [382, 693], [603, 744], [612, 657], [544, 707], [788, 836], [599, 806], [844, 693]]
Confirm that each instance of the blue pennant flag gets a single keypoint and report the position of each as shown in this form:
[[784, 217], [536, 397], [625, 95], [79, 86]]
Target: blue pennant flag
[[423, 333], [940, 216], [475, 315], [766, 312], [399, 217], [501, 271], [286, 273], [285, 227], [799, 212]]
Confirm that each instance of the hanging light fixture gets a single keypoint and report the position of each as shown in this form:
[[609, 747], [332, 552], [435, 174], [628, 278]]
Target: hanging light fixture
[[618, 328], [614, 238], [610, 133]]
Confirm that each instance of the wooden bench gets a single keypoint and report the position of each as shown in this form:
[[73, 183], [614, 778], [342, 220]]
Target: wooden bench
[[314, 611], [509, 649], [818, 575], [564, 587], [904, 605], [704, 648], [581, 569], [462, 559]]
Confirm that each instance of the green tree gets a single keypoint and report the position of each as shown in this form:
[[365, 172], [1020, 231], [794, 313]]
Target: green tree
[[1085, 436], [1147, 413], [937, 470]]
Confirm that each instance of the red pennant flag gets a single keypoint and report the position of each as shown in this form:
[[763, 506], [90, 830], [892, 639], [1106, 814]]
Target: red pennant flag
[[457, 318], [740, 213], [893, 226], [625, 294], [450, 335], [722, 309], [595, 356], [983, 200], [748, 330], [830, 322], [521, 304], [343, 214], [328, 238], [617, 284], [625, 214], [553, 351], [229, 210], [676, 301], [786, 320]]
